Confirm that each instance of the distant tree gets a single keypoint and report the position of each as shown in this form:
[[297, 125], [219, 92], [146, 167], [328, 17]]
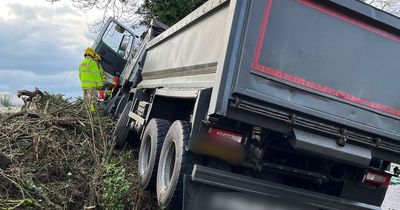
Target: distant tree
[[5, 101], [137, 13], [122, 10], [166, 11]]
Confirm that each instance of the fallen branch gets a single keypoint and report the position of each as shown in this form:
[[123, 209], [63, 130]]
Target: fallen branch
[[17, 114], [67, 107], [18, 203]]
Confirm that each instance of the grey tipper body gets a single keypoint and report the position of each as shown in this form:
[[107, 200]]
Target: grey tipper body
[[309, 86], [214, 47]]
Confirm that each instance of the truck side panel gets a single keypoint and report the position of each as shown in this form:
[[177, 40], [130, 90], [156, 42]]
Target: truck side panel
[[192, 51], [322, 59]]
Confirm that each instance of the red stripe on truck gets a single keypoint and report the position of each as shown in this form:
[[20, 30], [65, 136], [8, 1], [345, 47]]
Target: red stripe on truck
[[312, 85]]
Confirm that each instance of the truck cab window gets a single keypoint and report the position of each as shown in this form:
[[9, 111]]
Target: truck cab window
[[119, 40], [114, 45]]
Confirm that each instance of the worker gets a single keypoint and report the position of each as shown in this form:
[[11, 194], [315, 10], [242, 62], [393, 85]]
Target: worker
[[90, 78], [97, 58]]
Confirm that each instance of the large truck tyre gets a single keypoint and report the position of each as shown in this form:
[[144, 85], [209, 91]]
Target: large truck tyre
[[112, 105], [149, 153], [121, 131], [174, 163], [109, 105], [121, 105]]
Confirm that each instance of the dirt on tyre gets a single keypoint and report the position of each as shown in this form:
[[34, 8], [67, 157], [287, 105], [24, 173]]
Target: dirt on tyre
[[121, 131], [149, 153], [173, 165]]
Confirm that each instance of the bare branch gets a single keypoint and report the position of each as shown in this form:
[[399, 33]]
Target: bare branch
[[123, 10], [390, 6]]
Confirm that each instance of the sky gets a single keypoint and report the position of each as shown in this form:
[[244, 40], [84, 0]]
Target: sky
[[41, 45]]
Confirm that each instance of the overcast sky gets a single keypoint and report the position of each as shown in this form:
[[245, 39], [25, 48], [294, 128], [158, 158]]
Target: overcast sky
[[41, 45]]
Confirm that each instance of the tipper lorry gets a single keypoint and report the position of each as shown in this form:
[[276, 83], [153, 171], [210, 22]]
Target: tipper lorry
[[260, 104]]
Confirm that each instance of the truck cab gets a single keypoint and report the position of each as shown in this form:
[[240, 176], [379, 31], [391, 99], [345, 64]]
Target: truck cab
[[115, 45], [122, 59]]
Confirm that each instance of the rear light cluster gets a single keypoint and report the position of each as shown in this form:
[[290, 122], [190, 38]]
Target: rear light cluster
[[377, 178], [227, 134]]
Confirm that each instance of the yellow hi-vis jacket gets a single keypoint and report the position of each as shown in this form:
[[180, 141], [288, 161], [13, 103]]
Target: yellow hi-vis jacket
[[102, 74], [89, 74]]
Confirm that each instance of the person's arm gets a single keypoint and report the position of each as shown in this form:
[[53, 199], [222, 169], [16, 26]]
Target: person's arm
[[102, 74], [79, 72], [96, 73]]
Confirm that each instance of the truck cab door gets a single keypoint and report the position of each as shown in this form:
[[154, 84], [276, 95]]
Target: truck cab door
[[114, 44]]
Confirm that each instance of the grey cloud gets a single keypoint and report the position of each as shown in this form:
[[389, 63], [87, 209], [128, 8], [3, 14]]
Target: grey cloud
[[42, 47], [41, 40]]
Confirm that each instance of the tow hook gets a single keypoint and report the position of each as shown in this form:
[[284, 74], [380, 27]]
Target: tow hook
[[341, 141]]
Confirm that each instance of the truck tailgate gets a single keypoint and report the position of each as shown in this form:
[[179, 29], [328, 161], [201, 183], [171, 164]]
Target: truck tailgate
[[326, 60]]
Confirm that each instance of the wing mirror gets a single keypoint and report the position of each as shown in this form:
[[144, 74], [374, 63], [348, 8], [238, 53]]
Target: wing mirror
[[119, 28], [124, 43]]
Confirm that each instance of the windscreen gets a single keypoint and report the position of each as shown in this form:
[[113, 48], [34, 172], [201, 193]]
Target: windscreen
[[115, 48]]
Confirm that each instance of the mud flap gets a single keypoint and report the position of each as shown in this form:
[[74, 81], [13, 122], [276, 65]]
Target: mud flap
[[328, 147]]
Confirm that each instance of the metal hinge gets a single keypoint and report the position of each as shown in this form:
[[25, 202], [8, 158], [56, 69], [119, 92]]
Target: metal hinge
[[342, 138]]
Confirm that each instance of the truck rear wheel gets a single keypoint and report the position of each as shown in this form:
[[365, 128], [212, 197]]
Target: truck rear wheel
[[149, 153], [121, 131], [174, 163]]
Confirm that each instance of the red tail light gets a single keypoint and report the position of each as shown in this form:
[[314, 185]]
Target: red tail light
[[227, 134], [377, 178]]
